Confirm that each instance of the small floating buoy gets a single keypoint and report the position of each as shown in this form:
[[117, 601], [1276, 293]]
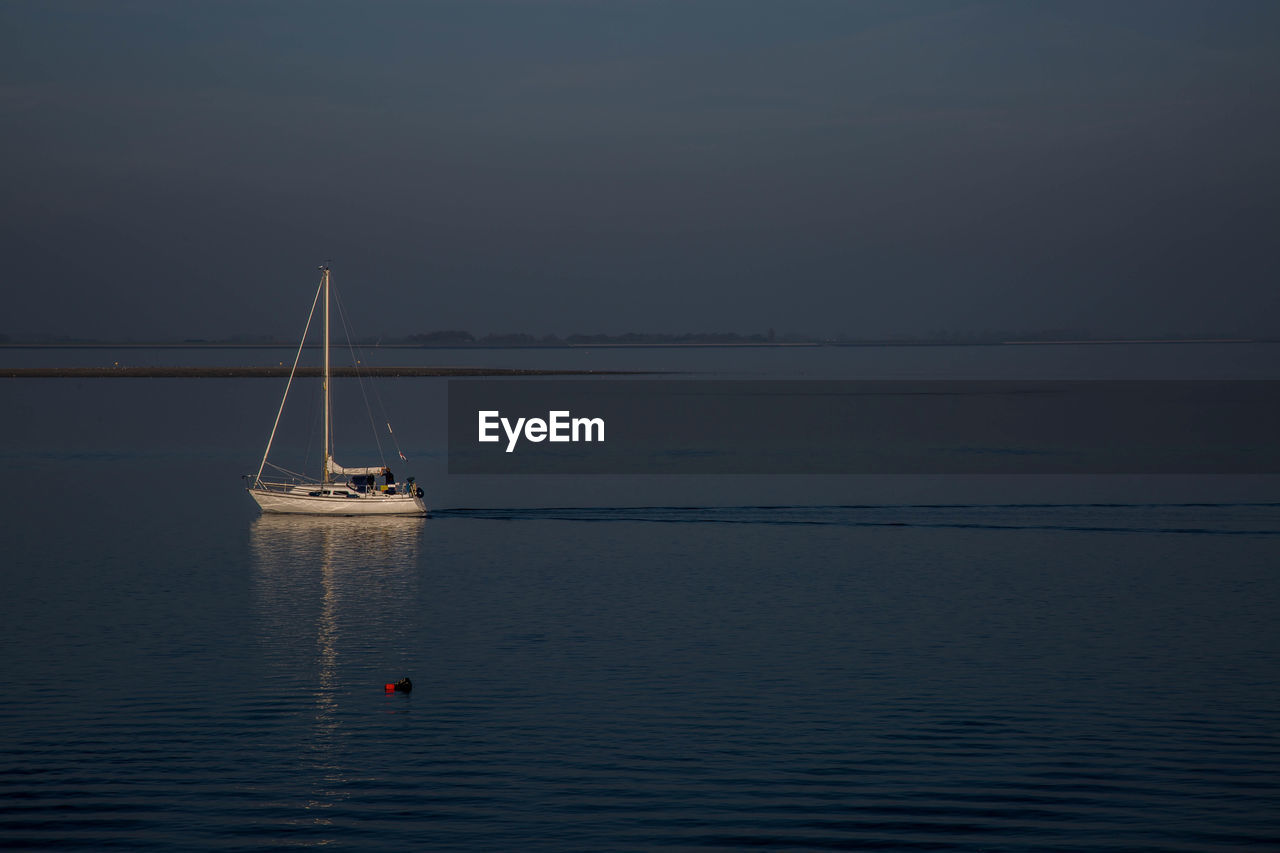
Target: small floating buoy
[[404, 685]]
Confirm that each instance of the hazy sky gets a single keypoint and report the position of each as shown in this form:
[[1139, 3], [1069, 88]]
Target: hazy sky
[[867, 168]]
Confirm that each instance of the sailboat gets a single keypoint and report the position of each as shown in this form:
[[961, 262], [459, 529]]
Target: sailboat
[[340, 490]]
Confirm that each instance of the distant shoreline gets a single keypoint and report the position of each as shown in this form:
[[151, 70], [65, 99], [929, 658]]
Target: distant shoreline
[[273, 372], [198, 345]]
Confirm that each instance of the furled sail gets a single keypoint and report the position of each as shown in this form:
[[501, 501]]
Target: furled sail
[[376, 470]]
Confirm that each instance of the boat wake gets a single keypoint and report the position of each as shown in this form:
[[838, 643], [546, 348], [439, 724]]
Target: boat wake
[[1232, 519]]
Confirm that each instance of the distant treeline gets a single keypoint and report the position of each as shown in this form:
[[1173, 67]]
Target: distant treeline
[[458, 338]]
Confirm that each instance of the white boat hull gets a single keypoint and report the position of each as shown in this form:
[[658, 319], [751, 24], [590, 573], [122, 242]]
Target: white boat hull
[[306, 504]]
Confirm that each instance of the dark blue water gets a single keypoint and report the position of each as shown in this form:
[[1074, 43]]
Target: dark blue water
[[661, 664]]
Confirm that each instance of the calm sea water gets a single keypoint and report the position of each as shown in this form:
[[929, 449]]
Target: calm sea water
[[630, 663]]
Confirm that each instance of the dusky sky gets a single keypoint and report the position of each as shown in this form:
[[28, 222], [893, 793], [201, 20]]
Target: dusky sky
[[860, 168]]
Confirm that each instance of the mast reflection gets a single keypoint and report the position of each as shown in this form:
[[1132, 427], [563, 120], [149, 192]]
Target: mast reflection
[[334, 599], [329, 588]]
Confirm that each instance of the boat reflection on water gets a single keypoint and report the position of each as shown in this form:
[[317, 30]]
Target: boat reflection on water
[[334, 600]]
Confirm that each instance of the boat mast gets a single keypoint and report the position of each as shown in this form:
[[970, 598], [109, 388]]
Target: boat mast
[[324, 478]]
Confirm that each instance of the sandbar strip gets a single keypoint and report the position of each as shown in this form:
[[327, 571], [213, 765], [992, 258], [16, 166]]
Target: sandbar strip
[[274, 372]]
